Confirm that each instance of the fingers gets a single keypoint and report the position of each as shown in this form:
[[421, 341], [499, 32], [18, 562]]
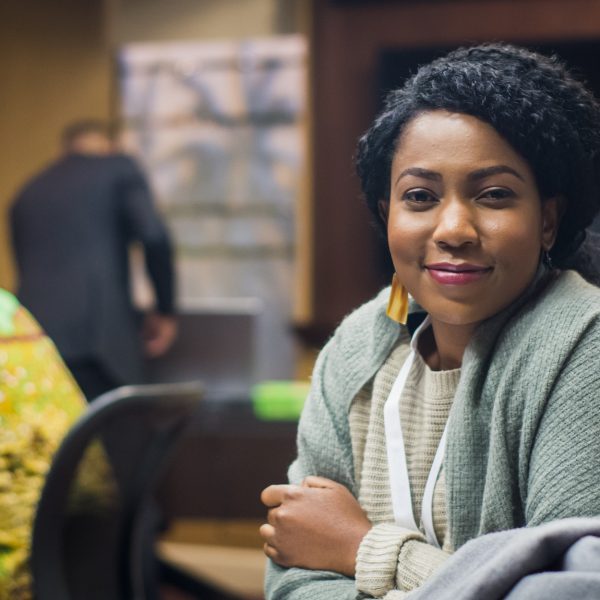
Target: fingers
[[274, 495], [314, 481], [272, 516], [269, 551], [274, 555], [267, 532], [159, 332]]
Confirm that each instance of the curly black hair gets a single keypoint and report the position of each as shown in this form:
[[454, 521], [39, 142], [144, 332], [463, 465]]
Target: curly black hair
[[546, 115]]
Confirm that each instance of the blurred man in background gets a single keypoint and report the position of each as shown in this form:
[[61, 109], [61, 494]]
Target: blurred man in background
[[72, 226]]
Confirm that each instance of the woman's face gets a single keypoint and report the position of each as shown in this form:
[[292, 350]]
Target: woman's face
[[465, 221]]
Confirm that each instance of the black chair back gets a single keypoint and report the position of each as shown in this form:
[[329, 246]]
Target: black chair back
[[96, 519]]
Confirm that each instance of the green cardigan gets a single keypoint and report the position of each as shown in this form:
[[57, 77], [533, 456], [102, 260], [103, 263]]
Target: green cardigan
[[523, 442]]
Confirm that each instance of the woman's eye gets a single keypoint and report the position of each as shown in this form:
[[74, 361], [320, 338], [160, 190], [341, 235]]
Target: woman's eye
[[496, 194], [419, 197]]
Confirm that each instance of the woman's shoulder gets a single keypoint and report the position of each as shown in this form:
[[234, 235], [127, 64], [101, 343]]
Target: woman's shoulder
[[9, 305], [371, 318], [368, 330], [361, 343], [572, 284], [566, 313], [371, 311], [15, 320], [572, 296]]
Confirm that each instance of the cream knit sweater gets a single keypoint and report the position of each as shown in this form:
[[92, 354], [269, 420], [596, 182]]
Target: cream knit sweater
[[392, 557]]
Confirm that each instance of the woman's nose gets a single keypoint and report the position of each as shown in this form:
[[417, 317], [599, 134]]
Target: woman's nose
[[456, 224]]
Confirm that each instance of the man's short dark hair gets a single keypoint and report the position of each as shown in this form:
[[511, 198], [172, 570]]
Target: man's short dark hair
[[77, 129]]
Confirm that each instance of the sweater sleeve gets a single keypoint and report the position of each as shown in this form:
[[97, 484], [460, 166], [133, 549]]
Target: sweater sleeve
[[347, 362], [322, 450], [302, 584], [391, 558], [564, 468]]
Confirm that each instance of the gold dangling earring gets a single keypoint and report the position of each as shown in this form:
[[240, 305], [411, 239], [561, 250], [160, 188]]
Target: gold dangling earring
[[397, 308]]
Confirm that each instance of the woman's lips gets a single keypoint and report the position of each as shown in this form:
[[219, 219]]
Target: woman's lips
[[457, 274]]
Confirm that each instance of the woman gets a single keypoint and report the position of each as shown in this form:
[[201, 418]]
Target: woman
[[481, 412], [39, 401]]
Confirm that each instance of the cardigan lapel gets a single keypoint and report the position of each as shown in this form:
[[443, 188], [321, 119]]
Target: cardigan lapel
[[466, 460]]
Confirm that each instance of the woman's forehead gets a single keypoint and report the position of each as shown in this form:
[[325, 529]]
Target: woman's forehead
[[439, 138]]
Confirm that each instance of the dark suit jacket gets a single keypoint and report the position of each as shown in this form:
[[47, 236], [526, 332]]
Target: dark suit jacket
[[71, 227]]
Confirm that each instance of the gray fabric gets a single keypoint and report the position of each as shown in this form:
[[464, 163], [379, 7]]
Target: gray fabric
[[528, 393], [558, 560]]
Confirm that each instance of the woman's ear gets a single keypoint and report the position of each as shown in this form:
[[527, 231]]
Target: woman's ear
[[552, 212], [383, 207]]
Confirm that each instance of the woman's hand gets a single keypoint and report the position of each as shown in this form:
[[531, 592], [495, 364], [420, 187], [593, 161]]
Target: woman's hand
[[318, 525]]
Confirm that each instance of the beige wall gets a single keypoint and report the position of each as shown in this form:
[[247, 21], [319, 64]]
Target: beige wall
[[54, 67], [142, 20]]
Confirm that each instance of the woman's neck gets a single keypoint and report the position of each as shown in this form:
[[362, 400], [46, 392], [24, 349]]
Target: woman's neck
[[443, 345]]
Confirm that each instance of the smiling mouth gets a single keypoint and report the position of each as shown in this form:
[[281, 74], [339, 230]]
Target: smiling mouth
[[457, 274]]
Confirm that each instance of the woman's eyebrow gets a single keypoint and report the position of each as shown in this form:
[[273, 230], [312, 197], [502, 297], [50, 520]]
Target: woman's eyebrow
[[418, 172], [495, 170]]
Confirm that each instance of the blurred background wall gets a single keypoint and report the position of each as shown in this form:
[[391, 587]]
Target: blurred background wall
[[56, 60], [55, 66]]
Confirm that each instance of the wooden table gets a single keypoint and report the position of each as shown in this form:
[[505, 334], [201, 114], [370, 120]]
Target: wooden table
[[225, 553]]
